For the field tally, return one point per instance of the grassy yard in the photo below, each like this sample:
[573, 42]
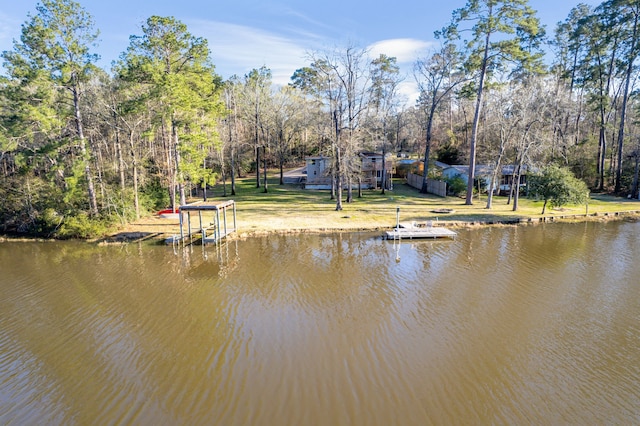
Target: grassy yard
[291, 209]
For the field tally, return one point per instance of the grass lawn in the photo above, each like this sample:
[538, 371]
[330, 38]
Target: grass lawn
[289, 208]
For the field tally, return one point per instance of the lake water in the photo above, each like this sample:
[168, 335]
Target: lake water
[515, 325]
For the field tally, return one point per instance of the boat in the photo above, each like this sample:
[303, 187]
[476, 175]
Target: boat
[169, 214]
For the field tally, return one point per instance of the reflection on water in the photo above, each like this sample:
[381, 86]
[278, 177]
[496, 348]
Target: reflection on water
[501, 326]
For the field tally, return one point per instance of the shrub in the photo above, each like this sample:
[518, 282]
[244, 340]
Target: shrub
[456, 185]
[557, 186]
[81, 226]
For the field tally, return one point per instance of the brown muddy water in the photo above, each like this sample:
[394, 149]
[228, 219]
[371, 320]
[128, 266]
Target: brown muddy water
[517, 325]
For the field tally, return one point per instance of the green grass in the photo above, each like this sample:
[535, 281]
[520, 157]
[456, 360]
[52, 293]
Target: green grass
[290, 207]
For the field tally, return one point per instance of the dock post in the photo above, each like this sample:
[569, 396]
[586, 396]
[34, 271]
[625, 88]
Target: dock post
[224, 216]
[202, 230]
[235, 228]
[397, 217]
[181, 223]
[189, 225]
[218, 225]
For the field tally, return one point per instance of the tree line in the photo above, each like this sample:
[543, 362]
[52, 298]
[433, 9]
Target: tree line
[82, 147]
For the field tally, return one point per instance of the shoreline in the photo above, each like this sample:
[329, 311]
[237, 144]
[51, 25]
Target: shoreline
[599, 217]
[159, 232]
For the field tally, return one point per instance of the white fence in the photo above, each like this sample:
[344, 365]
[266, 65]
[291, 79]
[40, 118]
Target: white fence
[436, 187]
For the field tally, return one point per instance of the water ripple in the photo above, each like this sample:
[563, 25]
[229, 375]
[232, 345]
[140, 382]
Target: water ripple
[501, 326]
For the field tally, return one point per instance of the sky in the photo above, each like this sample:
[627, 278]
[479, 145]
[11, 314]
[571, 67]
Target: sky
[248, 34]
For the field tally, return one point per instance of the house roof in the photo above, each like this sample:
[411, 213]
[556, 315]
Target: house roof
[484, 169]
[373, 154]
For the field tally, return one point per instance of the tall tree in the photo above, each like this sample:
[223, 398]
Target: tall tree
[437, 78]
[383, 98]
[504, 32]
[505, 122]
[532, 105]
[231, 89]
[286, 110]
[256, 94]
[176, 71]
[627, 15]
[570, 49]
[343, 78]
[54, 57]
[597, 73]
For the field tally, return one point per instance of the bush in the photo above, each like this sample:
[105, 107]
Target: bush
[557, 186]
[153, 197]
[456, 185]
[81, 226]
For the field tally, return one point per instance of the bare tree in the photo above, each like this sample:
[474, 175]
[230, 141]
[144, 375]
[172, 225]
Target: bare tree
[437, 78]
[342, 77]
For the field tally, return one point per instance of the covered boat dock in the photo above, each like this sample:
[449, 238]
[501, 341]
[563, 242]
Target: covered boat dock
[212, 229]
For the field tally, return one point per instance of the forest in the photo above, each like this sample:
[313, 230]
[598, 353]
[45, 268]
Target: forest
[83, 148]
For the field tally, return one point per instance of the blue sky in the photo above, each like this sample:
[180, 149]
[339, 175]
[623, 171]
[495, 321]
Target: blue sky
[278, 34]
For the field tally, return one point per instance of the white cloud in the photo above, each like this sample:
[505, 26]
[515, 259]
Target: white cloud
[237, 49]
[405, 50]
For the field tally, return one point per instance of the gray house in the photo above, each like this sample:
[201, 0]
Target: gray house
[318, 171]
[483, 174]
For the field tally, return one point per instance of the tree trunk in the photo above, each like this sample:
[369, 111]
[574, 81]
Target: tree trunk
[178, 171]
[518, 172]
[232, 174]
[634, 190]
[516, 196]
[281, 171]
[427, 149]
[383, 173]
[338, 179]
[134, 164]
[264, 155]
[498, 170]
[602, 149]
[167, 144]
[333, 185]
[121, 166]
[476, 121]
[623, 108]
[257, 165]
[93, 203]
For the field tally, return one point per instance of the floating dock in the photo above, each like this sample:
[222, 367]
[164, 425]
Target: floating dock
[413, 231]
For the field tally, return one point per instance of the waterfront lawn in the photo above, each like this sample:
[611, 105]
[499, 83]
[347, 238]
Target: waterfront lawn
[289, 207]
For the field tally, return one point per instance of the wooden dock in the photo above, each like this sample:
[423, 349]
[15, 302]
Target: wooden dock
[412, 231]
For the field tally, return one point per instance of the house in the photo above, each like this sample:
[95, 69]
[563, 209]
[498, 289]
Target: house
[318, 171]
[483, 174]
[371, 166]
[507, 176]
[439, 166]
